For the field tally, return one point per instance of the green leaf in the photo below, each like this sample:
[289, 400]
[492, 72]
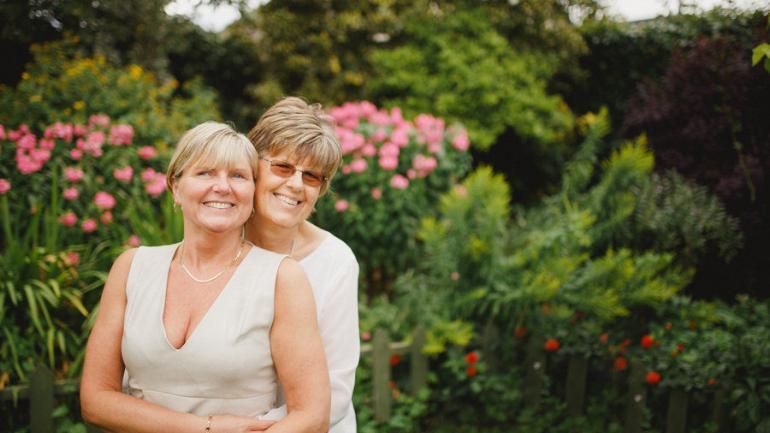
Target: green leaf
[759, 52]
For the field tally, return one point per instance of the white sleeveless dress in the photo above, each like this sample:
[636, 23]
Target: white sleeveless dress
[225, 366]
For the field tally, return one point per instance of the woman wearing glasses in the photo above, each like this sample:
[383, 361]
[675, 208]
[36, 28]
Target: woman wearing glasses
[299, 154]
[203, 327]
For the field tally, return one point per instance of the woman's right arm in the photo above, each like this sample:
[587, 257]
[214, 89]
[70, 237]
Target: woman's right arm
[101, 400]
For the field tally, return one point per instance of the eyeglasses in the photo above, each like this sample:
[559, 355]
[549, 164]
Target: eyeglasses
[285, 169]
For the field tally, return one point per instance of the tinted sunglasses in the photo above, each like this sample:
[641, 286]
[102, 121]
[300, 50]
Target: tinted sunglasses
[285, 169]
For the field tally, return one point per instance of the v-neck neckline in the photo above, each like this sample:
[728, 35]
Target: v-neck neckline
[169, 261]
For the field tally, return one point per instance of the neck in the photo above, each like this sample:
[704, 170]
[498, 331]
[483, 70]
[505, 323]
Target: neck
[205, 250]
[277, 239]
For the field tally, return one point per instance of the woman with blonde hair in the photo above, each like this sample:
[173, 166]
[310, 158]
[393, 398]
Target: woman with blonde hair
[299, 155]
[205, 328]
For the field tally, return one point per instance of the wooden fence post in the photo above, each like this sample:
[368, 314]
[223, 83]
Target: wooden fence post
[676, 418]
[490, 344]
[533, 383]
[41, 400]
[418, 363]
[720, 411]
[635, 401]
[381, 375]
[576, 384]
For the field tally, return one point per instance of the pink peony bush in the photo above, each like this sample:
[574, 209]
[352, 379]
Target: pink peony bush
[393, 172]
[82, 176]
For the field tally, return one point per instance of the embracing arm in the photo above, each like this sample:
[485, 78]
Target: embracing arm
[298, 354]
[101, 400]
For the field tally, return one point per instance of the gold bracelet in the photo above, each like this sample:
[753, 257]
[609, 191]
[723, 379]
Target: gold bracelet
[208, 424]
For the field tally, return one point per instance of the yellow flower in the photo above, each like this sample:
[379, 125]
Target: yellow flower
[25, 76]
[79, 105]
[35, 98]
[135, 71]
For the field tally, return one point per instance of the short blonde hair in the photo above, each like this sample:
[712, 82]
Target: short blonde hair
[304, 131]
[211, 144]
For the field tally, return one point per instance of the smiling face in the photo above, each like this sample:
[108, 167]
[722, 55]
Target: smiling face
[215, 199]
[284, 202]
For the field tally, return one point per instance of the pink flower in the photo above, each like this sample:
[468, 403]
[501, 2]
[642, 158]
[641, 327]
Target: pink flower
[411, 174]
[460, 141]
[47, 144]
[389, 149]
[366, 335]
[104, 200]
[133, 241]
[388, 163]
[399, 182]
[379, 135]
[358, 165]
[26, 164]
[76, 154]
[369, 150]
[423, 165]
[72, 258]
[400, 137]
[73, 174]
[89, 225]
[341, 205]
[376, 193]
[434, 147]
[79, 130]
[40, 155]
[121, 135]
[100, 120]
[71, 193]
[60, 130]
[92, 145]
[5, 186]
[123, 174]
[14, 135]
[462, 191]
[106, 218]
[27, 141]
[147, 152]
[156, 186]
[2, 132]
[345, 169]
[149, 174]
[68, 219]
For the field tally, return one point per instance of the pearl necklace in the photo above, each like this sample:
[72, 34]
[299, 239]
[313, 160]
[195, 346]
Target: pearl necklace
[217, 275]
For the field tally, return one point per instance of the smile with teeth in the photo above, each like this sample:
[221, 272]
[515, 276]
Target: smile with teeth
[218, 204]
[287, 200]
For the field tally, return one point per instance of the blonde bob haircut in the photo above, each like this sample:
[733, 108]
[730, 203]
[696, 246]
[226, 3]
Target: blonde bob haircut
[212, 145]
[301, 130]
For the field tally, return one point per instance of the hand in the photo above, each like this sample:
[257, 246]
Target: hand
[238, 424]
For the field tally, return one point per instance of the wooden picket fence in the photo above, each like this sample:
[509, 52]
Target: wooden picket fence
[43, 389]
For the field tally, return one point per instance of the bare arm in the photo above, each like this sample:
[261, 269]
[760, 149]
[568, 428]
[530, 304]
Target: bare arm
[102, 402]
[298, 354]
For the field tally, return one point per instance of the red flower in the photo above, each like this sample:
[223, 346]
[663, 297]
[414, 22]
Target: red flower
[391, 384]
[669, 325]
[470, 371]
[653, 377]
[647, 341]
[520, 331]
[395, 359]
[552, 345]
[680, 346]
[472, 357]
[712, 381]
[620, 364]
[603, 338]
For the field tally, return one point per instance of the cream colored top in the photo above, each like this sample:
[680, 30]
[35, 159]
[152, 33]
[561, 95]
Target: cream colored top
[225, 366]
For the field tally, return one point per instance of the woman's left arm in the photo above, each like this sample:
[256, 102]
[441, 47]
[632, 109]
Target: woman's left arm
[298, 353]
